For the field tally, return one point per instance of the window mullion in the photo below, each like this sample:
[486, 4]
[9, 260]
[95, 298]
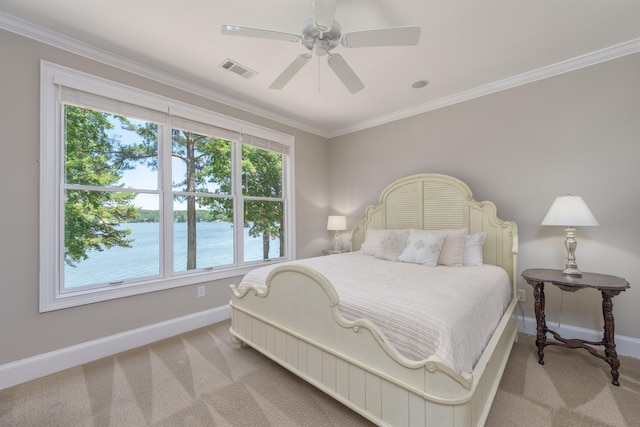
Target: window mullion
[238, 202]
[59, 173]
[166, 202]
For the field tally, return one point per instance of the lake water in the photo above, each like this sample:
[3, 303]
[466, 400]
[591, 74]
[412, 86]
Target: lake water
[214, 248]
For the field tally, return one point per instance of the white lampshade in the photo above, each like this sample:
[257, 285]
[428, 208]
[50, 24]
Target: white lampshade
[569, 211]
[337, 223]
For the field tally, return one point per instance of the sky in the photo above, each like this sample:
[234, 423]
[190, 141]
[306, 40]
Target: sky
[143, 176]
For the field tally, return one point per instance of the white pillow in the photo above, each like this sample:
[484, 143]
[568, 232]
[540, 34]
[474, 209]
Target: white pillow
[473, 244]
[370, 243]
[423, 247]
[453, 247]
[391, 244]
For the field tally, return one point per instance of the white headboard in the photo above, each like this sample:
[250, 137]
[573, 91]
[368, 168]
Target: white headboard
[433, 202]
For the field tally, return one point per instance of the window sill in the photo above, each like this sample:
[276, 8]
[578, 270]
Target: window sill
[51, 302]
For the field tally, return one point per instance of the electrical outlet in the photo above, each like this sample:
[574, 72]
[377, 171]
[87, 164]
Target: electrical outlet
[521, 295]
[200, 291]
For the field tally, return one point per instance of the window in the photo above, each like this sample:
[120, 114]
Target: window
[141, 193]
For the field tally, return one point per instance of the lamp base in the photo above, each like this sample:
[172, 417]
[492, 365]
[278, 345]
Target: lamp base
[570, 243]
[337, 243]
[571, 270]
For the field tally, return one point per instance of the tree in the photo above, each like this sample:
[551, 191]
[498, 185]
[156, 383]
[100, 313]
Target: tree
[195, 151]
[261, 178]
[95, 159]
[92, 216]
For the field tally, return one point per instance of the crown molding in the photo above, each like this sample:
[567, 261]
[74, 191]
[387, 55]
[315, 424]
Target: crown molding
[609, 53]
[35, 32]
[60, 41]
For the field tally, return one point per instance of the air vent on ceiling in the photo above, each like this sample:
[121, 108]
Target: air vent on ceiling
[241, 70]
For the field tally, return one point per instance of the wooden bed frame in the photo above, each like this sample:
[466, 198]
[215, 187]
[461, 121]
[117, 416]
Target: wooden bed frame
[296, 322]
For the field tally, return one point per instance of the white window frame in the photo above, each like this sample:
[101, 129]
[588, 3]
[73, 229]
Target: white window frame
[51, 197]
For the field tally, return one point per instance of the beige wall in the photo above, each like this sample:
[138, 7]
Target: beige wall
[575, 133]
[23, 331]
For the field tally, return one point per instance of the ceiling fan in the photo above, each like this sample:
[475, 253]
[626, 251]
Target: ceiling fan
[320, 34]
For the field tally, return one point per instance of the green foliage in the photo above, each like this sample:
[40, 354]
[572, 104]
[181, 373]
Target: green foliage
[91, 217]
[93, 158]
[261, 177]
[202, 215]
[145, 215]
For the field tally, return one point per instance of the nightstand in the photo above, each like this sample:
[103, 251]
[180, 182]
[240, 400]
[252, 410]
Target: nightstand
[609, 286]
[333, 252]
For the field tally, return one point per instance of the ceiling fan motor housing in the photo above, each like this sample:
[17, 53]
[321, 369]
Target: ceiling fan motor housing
[318, 41]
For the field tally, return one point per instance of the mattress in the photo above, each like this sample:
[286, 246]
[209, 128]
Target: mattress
[450, 312]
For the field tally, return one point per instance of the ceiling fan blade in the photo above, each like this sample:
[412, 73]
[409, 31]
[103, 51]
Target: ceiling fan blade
[290, 71]
[345, 73]
[323, 13]
[234, 30]
[398, 36]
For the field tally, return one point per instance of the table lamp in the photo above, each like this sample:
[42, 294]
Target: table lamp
[337, 223]
[570, 211]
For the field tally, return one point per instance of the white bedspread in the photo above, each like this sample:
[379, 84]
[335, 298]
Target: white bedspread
[447, 311]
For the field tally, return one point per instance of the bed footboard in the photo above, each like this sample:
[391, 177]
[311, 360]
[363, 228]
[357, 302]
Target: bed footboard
[296, 322]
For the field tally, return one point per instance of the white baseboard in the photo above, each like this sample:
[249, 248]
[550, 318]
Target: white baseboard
[625, 346]
[38, 366]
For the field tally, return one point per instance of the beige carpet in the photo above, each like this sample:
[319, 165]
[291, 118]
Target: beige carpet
[201, 379]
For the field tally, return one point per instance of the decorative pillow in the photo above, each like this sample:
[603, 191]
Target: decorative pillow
[423, 247]
[473, 244]
[370, 243]
[391, 244]
[453, 247]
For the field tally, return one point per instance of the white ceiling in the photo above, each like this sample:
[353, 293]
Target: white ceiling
[466, 49]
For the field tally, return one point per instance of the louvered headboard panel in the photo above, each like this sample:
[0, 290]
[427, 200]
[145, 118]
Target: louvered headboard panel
[435, 202]
[443, 206]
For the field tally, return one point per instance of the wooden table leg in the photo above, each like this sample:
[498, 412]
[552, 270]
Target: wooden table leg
[609, 286]
[609, 335]
[541, 323]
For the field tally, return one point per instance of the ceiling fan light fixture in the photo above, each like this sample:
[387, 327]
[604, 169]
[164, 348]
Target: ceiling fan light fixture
[320, 48]
[311, 36]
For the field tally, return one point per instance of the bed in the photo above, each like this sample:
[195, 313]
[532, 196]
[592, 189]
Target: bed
[298, 319]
